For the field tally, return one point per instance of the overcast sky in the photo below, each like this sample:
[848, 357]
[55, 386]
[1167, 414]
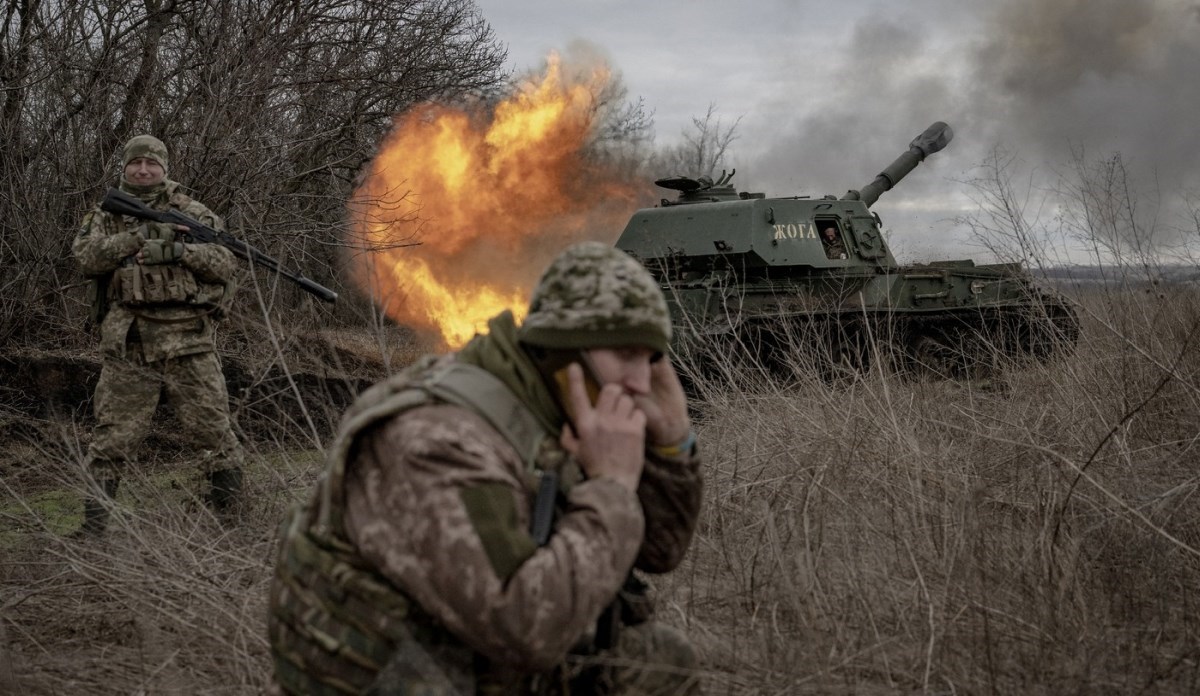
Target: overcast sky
[829, 93]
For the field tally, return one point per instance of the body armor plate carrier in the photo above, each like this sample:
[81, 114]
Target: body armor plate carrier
[335, 622]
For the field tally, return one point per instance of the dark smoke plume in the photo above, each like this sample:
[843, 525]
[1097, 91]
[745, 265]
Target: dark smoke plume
[1110, 76]
[1044, 79]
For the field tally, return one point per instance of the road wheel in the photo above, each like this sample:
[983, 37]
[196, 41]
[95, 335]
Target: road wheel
[929, 356]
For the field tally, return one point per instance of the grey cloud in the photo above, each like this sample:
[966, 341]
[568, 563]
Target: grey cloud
[1045, 77]
[885, 93]
[1114, 76]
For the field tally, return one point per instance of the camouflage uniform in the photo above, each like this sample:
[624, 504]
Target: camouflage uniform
[412, 570]
[834, 248]
[156, 332]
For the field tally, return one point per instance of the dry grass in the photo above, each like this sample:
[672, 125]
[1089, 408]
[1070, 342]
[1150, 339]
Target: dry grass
[170, 601]
[890, 535]
[876, 535]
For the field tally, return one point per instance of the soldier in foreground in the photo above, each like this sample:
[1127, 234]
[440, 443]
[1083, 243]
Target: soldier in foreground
[480, 513]
[156, 299]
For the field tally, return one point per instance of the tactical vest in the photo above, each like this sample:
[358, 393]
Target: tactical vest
[335, 622]
[137, 285]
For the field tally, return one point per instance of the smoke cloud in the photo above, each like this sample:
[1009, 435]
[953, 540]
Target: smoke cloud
[1041, 78]
[1105, 75]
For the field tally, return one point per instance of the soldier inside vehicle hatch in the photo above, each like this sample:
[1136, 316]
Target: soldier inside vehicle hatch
[831, 239]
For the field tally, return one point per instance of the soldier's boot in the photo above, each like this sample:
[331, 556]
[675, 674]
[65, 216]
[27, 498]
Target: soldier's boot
[95, 509]
[225, 490]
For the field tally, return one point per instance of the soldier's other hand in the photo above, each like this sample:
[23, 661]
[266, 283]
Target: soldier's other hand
[666, 409]
[126, 244]
[609, 437]
[160, 230]
[156, 251]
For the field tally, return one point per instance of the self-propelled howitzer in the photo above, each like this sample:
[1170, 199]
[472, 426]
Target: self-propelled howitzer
[812, 280]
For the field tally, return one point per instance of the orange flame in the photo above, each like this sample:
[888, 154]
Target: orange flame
[491, 198]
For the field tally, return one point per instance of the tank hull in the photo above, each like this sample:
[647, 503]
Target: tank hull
[952, 319]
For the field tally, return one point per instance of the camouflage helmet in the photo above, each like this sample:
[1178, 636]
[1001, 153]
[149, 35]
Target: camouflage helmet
[596, 296]
[145, 146]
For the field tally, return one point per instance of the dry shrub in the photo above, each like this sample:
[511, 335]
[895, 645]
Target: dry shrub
[891, 534]
[868, 533]
[170, 600]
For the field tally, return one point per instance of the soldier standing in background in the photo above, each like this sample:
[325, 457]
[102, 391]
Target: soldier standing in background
[481, 513]
[156, 300]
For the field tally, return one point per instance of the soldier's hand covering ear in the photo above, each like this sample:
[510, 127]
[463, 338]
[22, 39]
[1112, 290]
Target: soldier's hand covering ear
[609, 438]
[667, 420]
[158, 251]
[123, 244]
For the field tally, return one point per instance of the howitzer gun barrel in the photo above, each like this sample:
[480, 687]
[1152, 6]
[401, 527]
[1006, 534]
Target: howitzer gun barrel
[118, 202]
[932, 140]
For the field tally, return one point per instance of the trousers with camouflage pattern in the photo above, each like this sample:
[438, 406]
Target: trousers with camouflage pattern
[128, 393]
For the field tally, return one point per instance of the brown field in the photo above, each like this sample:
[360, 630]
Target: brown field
[878, 535]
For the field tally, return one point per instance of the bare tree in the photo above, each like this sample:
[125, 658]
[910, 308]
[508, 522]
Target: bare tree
[1009, 210]
[269, 107]
[703, 149]
[1095, 209]
[1106, 211]
[621, 128]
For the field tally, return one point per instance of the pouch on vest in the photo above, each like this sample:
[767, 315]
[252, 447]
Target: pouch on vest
[137, 285]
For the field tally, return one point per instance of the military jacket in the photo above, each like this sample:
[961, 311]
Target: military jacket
[435, 503]
[199, 284]
[835, 249]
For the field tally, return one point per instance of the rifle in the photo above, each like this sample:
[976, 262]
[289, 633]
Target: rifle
[118, 202]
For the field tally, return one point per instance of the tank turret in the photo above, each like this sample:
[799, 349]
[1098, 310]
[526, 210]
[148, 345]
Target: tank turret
[932, 140]
[703, 189]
